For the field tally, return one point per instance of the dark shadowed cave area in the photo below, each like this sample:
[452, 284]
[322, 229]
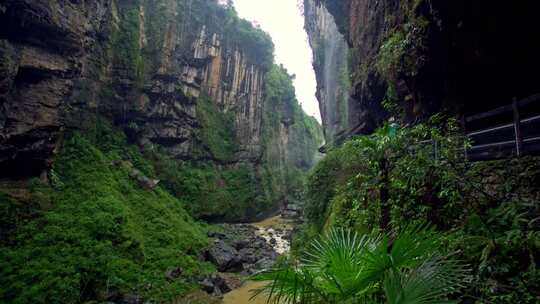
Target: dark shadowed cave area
[484, 54]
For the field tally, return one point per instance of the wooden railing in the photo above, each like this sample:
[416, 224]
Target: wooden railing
[519, 136]
[504, 137]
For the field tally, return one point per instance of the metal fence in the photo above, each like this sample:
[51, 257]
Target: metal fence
[501, 137]
[505, 132]
[517, 136]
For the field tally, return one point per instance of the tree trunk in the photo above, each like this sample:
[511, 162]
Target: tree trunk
[385, 195]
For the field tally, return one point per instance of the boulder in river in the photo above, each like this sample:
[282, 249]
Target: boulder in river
[207, 285]
[219, 283]
[248, 255]
[224, 256]
[240, 244]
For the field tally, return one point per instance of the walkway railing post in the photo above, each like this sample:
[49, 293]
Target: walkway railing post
[517, 128]
[464, 127]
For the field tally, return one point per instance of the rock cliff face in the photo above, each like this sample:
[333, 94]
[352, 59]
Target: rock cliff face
[64, 60]
[184, 76]
[37, 74]
[422, 57]
[207, 66]
[330, 62]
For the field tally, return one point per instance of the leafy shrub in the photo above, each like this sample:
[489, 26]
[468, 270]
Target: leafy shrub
[388, 178]
[393, 178]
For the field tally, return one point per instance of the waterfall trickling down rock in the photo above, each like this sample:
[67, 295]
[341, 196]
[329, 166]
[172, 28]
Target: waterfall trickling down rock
[330, 61]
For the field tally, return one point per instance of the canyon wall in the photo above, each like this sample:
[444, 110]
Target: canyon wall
[411, 59]
[330, 53]
[183, 77]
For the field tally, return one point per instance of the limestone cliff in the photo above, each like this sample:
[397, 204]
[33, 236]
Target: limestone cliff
[422, 57]
[185, 77]
[330, 53]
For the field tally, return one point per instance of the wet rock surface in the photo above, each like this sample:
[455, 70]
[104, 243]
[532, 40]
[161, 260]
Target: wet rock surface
[241, 250]
[224, 256]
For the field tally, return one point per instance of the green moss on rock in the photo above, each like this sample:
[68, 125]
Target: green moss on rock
[104, 233]
[217, 130]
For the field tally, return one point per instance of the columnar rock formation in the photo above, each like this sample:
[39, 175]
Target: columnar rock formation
[184, 76]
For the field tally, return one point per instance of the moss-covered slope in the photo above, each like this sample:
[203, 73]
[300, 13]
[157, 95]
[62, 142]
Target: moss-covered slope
[98, 233]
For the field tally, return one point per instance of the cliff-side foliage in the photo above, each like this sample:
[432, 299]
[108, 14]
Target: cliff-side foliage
[389, 179]
[217, 131]
[213, 192]
[98, 235]
[216, 187]
[258, 43]
[286, 164]
[207, 167]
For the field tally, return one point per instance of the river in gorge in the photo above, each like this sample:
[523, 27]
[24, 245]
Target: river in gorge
[276, 228]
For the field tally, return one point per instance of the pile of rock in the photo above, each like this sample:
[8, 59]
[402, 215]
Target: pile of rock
[237, 249]
[240, 250]
[219, 283]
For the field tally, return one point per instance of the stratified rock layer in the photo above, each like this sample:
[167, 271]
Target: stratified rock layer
[143, 63]
[176, 76]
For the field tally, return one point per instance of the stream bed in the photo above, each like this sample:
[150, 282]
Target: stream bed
[275, 231]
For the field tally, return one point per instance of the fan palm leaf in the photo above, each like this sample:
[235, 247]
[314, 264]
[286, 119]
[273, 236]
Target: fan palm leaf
[429, 283]
[343, 267]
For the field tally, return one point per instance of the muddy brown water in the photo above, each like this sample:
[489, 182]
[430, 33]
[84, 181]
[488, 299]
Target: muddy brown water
[243, 294]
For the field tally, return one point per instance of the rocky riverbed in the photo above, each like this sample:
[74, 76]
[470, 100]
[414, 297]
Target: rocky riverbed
[239, 250]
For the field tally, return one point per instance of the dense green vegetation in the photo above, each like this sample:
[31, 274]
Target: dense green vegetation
[257, 43]
[98, 232]
[285, 177]
[212, 192]
[125, 42]
[388, 180]
[238, 32]
[343, 267]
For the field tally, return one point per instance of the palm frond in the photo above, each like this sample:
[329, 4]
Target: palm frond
[288, 284]
[429, 283]
[339, 258]
[343, 267]
[413, 244]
